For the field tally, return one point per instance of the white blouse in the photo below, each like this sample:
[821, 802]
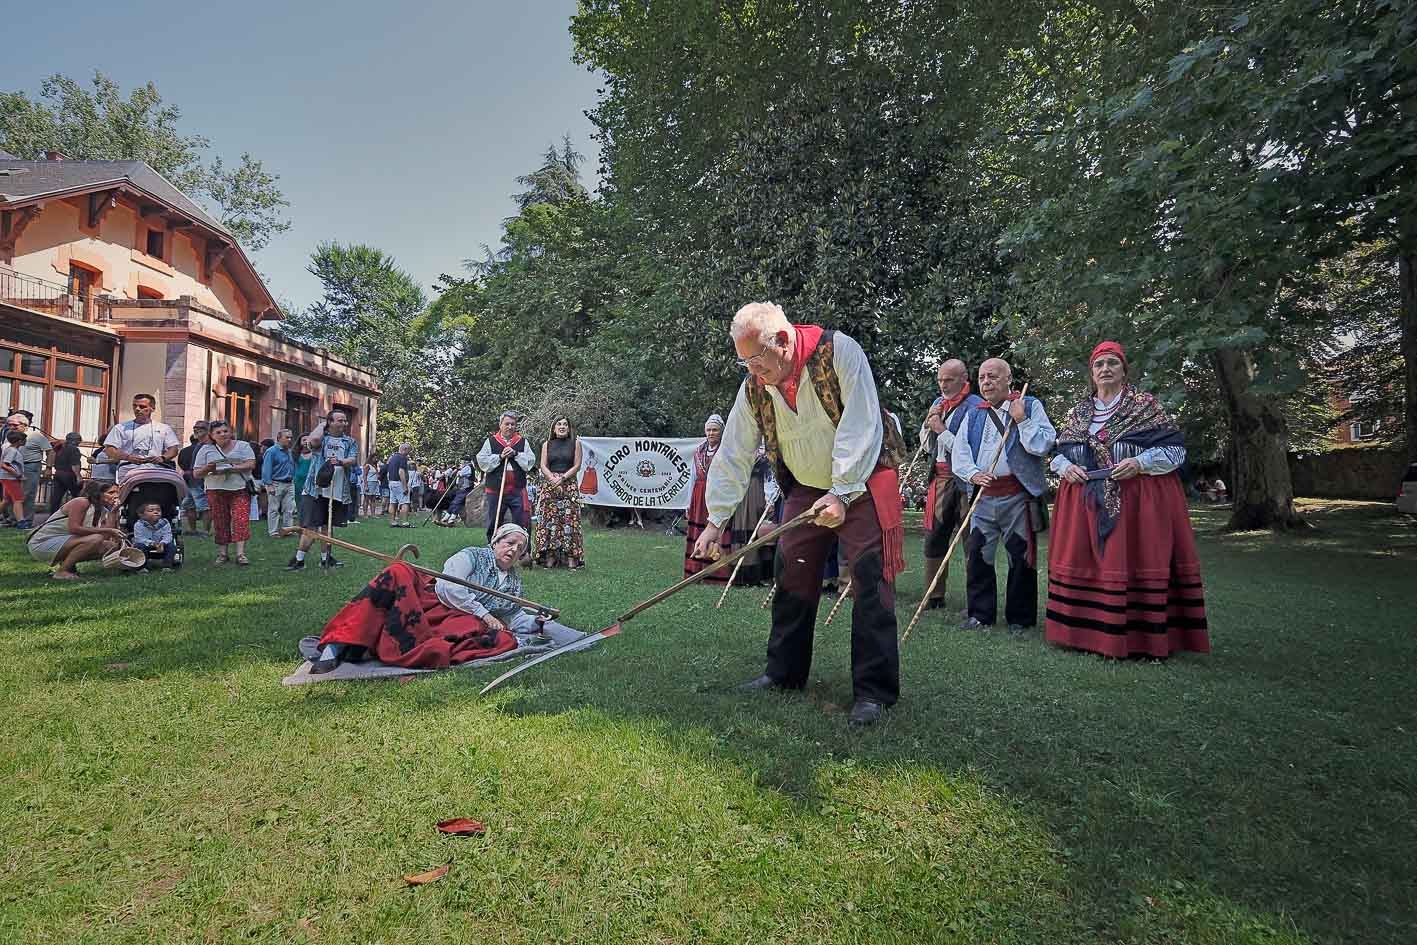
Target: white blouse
[819, 455]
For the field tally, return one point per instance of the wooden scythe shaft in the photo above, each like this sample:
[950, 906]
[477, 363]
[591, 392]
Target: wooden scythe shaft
[807, 516]
[615, 628]
[963, 527]
[734, 576]
[413, 549]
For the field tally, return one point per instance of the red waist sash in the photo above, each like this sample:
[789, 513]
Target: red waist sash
[1003, 486]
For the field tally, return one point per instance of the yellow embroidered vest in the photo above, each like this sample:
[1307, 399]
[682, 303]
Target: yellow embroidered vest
[820, 371]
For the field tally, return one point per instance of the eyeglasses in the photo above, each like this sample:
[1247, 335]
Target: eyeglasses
[747, 363]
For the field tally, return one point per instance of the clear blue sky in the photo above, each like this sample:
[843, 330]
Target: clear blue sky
[401, 125]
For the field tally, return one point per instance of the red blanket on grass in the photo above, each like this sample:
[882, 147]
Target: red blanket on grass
[400, 621]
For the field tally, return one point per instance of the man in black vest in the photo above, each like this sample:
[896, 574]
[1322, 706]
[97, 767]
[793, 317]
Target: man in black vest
[811, 398]
[505, 458]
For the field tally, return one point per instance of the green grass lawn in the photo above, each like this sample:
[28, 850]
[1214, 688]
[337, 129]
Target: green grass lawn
[158, 784]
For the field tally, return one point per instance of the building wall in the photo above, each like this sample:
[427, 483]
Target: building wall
[192, 382]
[143, 371]
[58, 237]
[1354, 473]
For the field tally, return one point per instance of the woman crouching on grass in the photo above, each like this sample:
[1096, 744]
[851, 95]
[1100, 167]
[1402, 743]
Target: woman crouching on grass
[82, 529]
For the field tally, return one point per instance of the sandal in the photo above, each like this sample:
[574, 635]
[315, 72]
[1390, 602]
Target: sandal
[242, 560]
[221, 559]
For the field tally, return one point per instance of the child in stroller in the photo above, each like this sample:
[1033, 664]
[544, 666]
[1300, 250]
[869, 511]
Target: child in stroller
[144, 486]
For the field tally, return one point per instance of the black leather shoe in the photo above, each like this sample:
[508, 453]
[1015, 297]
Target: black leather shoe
[295, 564]
[1018, 629]
[323, 666]
[763, 683]
[973, 624]
[935, 603]
[331, 562]
[864, 713]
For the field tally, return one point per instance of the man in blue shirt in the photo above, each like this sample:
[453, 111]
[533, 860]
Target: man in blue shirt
[327, 497]
[278, 478]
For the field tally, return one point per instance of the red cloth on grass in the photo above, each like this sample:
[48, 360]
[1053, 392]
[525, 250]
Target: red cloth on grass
[400, 621]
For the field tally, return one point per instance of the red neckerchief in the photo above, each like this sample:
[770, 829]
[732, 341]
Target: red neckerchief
[807, 338]
[508, 482]
[1013, 395]
[954, 401]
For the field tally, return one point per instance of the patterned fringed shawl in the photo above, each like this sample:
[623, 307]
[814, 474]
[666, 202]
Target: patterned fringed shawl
[1139, 423]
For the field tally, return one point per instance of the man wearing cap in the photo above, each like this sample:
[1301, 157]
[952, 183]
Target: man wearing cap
[811, 399]
[1010, 485]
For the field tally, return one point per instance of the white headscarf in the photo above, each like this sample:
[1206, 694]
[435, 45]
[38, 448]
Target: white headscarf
[509, 528]
[714, 420]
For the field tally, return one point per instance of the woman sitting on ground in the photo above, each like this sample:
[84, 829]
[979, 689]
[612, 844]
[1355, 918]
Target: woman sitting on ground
[403, 619]
[560, 538]
[82, 529]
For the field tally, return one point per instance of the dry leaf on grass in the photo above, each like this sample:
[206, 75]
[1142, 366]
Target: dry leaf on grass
[462, 827]
[432, 876]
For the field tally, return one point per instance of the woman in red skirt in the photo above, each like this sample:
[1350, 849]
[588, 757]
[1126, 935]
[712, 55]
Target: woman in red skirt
[1123, 575]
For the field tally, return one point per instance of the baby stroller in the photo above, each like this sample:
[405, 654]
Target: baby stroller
[139, 485]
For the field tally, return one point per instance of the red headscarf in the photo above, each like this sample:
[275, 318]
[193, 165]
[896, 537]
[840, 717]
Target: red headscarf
[1107, 347]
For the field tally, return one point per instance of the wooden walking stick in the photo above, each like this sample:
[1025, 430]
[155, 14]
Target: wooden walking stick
[501, 494]
[808, 515]
[904, 480]
[429, 572]
[841, 599]
[437, 505]
[963, 527]
[732, 577]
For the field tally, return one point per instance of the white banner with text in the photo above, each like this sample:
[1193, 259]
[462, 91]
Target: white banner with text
[638, 473]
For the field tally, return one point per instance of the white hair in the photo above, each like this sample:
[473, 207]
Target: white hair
[760, 320]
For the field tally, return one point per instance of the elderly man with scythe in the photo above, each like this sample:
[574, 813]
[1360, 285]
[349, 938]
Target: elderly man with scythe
[811, 397]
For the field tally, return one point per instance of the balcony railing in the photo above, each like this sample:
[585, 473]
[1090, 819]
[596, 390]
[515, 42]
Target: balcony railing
[38, 295]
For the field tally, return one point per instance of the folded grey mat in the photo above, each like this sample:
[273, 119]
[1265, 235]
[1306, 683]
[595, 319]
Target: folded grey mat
[373, 669]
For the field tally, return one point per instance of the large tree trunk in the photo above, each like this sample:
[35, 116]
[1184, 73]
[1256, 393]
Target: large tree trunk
[1262, 490]
[1407, 275]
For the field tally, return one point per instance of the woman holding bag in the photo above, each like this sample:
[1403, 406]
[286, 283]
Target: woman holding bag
[224, 465]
